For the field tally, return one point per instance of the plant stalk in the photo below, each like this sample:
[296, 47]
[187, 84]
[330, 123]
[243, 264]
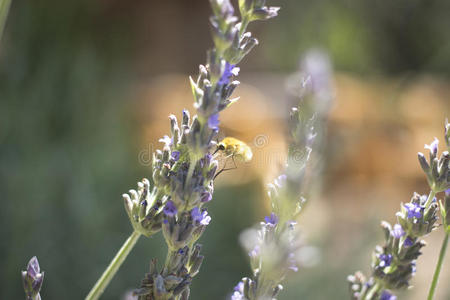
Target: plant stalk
[113, 267]
[438, 266]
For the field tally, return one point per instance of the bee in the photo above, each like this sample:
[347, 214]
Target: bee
[234, 148]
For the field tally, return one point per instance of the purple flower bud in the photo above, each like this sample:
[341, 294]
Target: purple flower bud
[230, 70]
[33, 267]
[385, 260]
[408, 242]
[433, 147]
[227, 8]
[200, 216]
[271, 220]
[385, 295]
[398, 231]
[175, 155]
[170, 209]
[239, 287]
[237, 296]
[205, 197]
[166, 140]
[213, 121]
[414, 210]
[32, 279]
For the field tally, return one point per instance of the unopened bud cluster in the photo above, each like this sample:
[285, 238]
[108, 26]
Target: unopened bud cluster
[172, 282]
[32, 280]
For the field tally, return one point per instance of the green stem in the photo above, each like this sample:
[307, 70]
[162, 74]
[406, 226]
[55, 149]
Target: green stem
[113, 267]
[438, 267]
[372, 291]
[430, 199]
[4, 9]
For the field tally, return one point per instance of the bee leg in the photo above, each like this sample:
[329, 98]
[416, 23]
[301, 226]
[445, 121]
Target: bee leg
[226, 169]
[234, 163]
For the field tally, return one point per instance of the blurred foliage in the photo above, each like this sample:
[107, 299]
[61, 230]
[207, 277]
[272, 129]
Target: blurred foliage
[364, 36]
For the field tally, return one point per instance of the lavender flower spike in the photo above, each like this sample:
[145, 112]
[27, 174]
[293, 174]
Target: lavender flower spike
[32, 279]
[273, 247]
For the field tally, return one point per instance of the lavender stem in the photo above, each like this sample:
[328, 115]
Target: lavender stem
[438, 266]
[113, 267]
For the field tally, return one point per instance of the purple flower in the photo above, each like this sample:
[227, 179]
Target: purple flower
[408, 242]
[175, 155]
[447, 192]
[227, 8]
[239, 287]
[271, 220]
[205, 197]
[170, 209]
[385, 295]
[238, 292]
[237, 296]
[414, 210]
[213, 121]
[200, 216]
[398, 231]
[385, 260]
[229, 71]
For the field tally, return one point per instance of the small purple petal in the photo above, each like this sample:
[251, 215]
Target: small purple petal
[227, 8]
[385, 260]
[200, 216]
[239, 287]
[447, 192]
[414, 210]
[205, 197]
[433, 147]
[175, 155]
[237, 296]
[229, 71]
[213, 121]
[398, 231]
[170, 209]
[385, 295]
[408, 242]
[271, 220]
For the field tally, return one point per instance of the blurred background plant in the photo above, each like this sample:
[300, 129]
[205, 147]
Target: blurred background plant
[74, 76]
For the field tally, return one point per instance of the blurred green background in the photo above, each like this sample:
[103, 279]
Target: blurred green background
[72, 89]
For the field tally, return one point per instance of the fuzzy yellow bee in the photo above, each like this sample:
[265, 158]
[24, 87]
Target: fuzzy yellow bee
[234, 148]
